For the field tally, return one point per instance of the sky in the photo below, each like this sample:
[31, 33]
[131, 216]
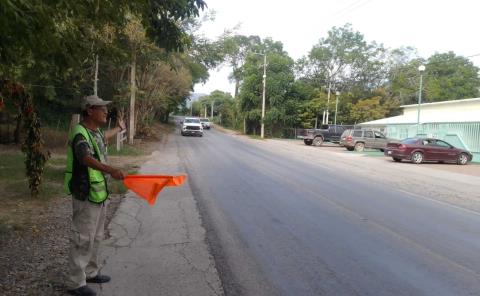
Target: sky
[430, 26]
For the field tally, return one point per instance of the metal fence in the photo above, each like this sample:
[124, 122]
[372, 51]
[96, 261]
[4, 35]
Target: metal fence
[463, 135]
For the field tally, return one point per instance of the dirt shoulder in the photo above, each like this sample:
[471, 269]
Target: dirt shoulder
[449, 183]
[34, 232]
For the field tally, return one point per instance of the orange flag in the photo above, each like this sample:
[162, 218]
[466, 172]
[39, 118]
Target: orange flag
[148, 186]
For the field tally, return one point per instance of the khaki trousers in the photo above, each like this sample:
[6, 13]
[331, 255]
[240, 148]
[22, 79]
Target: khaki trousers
[87, 232]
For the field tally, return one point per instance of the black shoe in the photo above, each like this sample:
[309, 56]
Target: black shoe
[99, 279]
[82, 291]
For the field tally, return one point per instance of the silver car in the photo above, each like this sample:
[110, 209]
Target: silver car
[359, 139]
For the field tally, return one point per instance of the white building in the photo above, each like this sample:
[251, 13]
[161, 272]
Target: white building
[457, 122]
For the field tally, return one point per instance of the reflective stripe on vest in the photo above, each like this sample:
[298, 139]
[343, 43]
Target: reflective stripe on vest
[98, 192]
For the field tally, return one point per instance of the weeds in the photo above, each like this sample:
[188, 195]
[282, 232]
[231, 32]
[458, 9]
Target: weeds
[127, 150]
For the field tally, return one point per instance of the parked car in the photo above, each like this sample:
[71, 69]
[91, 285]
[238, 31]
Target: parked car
[205, 123]
[192, 126]
[418, 150]
[359, 139]
[327, 133]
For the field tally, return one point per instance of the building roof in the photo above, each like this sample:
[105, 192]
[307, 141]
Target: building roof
[401, 119]
[474, 100]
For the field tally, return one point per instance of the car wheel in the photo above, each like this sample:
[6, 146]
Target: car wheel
[417, 157]
[350, 148]
[307, 142]
[397, 159]
[318, 141]
[359, 147]
[462, 159]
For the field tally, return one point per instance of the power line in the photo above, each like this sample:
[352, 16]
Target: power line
[351, 7]
[473, 55]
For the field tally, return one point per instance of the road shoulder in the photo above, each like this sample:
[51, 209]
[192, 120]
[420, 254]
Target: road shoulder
[159, 250]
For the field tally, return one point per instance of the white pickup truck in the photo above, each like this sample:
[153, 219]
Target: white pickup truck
[205, 123]
[191, 126]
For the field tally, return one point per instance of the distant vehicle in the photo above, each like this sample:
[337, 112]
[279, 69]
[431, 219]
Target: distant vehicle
[205, 123]
[359, 139]
[192, 126]
[419, 150]
[327, 133]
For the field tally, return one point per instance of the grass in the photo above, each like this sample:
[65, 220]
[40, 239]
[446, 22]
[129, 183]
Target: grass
[15, 183]
[127, 150]
[12, 165]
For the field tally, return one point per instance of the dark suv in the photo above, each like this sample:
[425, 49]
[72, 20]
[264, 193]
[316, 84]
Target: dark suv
[327, 133]
[359, 139]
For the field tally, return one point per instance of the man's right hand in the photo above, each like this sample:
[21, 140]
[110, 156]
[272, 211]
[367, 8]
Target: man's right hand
[117, 174]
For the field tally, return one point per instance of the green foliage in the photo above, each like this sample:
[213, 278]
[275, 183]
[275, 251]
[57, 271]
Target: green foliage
[367, 110]
[35, 154]
[450, 77]
[345, 60]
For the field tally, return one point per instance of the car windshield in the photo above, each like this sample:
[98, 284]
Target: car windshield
[204, 119]
[192, 120]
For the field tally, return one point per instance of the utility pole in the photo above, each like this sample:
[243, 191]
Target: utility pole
[205, 111]
[421, 69]
[262, 131]
[211, 113]
[328, 101]
[95, 83]
[131, 125]
[337, 95]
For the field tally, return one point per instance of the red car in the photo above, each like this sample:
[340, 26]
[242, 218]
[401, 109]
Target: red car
[419, 150]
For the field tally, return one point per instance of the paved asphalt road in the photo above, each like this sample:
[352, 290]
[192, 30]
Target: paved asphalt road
[279, 226]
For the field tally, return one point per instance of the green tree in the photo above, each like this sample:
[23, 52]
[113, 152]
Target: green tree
[367, 110]
[344, 60]
[224, 110]
[450, 77]
[235, 51]
[280, 78]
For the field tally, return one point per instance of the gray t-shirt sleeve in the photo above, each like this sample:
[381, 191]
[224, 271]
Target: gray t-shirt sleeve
[81, 147]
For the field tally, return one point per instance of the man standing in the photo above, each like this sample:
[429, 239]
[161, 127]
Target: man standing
[85, 179]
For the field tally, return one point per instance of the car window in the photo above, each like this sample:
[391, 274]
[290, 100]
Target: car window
[379, 135]
[204, 119]
[442, 144]
[346, 133]
[409, 141]
[192, 120]
[358, 133]
[427, 142]
[368, 134]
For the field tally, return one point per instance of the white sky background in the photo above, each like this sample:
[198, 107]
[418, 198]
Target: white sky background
[429, 26]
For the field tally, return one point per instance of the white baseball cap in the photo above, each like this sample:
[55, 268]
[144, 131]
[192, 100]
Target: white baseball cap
[93, 100]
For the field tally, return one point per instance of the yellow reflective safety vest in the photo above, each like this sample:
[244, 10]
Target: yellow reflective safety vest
[98, 191]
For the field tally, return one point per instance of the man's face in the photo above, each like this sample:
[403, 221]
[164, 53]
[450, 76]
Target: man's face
[99, 113]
